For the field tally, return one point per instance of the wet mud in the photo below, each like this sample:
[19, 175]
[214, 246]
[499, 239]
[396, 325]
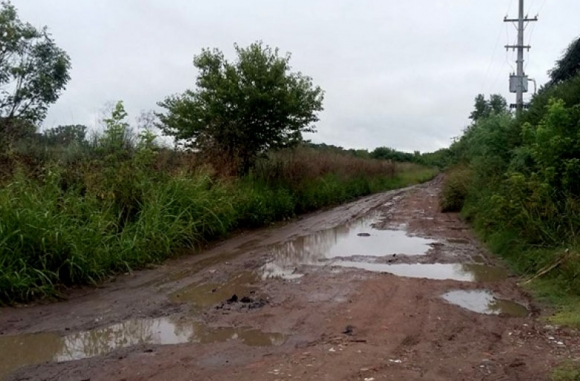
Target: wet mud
[384, 288]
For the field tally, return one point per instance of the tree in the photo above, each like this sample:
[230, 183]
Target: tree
[240, 110]
[66, 135]
[485, 108]
[33, 70]
[567, 66]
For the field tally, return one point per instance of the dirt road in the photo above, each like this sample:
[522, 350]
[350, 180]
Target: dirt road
[385, 288]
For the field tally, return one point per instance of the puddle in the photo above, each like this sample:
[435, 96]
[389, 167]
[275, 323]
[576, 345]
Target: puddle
[357, 238]
[276, 270]
[24, 350]
[484, 302]
[209, 294]
[436, 271]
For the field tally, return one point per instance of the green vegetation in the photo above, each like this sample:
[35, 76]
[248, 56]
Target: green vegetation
[519, 184]
[241, 110]
[33, 71]
[567, 372]
[91, 209]
[76, 208]
[455, 189]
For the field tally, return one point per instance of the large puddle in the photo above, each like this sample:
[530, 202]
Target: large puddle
[358, 238]
[436, 271]
[24, 350]
[484, 302]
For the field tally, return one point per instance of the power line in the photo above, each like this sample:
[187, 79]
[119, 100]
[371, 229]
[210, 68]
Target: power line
[492, 56]
[541, 7]
[519, 80]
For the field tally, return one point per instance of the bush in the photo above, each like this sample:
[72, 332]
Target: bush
[455, 189]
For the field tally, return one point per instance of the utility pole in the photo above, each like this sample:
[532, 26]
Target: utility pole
[519, 80]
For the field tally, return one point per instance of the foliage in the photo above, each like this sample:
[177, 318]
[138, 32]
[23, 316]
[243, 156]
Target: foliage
[568, 66]
[33, 70]
[385, 153]
[523, 196]
[455, 189]
[486, 108]
[566, 372]
[241, 110]
[124, 203]
[65, 135]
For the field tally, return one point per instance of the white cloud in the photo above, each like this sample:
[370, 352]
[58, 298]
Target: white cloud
[396, 73]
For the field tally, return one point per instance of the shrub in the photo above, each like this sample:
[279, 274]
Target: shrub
[455, 189]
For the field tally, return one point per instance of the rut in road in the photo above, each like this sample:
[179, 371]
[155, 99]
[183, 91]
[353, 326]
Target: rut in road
[384, 288]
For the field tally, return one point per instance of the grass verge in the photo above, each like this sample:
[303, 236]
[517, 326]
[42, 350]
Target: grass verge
[63, 226]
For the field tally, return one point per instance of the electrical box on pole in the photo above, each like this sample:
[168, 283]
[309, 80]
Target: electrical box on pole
[518, 84]
[519, 80]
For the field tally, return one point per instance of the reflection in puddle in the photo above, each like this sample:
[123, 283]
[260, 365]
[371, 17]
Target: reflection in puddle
[484, 302]
[358, 238]
[209, 294]
[436, 271]
[23, 350]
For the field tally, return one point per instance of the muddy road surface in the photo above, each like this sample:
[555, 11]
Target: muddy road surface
[384, 288]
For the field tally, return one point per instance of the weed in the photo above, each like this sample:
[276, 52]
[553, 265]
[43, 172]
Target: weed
[569, 371]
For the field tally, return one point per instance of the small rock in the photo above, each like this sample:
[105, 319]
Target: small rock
[332, 350]
[551, 338]
[233, 299]
[363, 234]
[349, 330]
[245, 299]
[559, 343]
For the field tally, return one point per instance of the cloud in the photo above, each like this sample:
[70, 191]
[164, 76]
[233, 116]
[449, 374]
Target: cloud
[396, 73]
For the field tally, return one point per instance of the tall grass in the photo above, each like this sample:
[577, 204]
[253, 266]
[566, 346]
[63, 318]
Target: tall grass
[102, 212]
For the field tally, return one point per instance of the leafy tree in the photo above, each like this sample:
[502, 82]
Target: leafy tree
[484, 108]
[240, 110]
[554, 146]
[117, 139]
[66, 135]
[33, 71]
[568, 65]
[386, 153]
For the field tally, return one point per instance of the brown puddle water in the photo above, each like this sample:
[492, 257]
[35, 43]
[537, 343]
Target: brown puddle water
[484, 302]
[23, 350]
[436, 271]
[358, 238]
[208, 294]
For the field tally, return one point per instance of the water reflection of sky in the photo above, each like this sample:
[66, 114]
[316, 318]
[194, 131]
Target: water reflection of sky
[22, 350]
[484, 302]
[436, 271]
[343, 241]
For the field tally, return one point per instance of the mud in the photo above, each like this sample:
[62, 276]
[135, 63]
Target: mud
[384, 288]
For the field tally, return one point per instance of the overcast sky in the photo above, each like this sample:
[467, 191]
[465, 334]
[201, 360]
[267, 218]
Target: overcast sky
[396, 73]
